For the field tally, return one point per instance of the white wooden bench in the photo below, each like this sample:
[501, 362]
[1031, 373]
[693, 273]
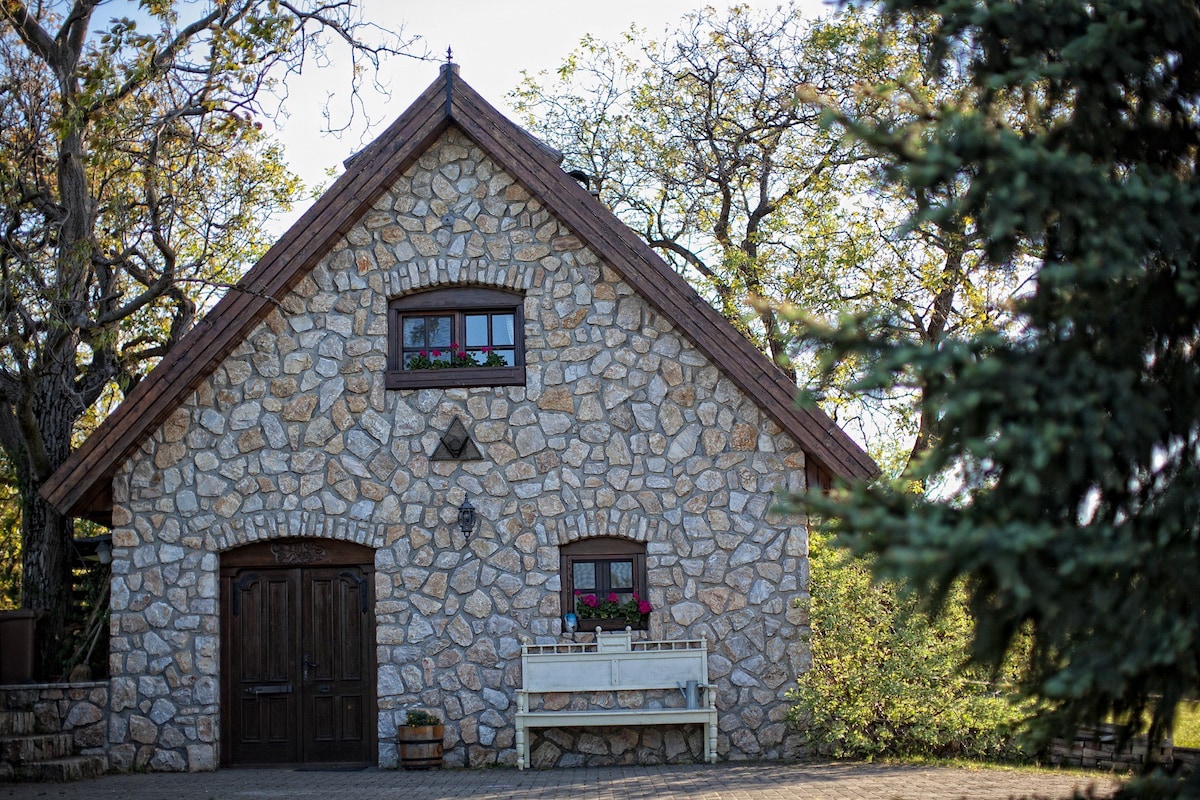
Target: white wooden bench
[615, 663]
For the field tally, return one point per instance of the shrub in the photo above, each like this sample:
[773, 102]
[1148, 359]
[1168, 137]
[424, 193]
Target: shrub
[418, 718]
[888, 682]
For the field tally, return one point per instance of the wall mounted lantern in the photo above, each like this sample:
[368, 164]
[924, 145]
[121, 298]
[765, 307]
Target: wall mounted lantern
[468, 520]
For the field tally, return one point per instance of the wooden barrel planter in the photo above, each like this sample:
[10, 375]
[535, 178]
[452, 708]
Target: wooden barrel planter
[420, 746]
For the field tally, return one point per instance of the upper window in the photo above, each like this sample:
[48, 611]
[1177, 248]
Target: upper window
[456, 337]
[604, 583]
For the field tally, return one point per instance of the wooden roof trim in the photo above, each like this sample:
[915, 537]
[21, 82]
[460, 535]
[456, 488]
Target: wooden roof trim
[655, 280]
[81, 479]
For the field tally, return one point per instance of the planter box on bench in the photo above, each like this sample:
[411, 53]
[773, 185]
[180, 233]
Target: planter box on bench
[615, 663]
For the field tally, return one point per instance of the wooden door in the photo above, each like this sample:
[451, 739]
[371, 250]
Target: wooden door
[297, 644]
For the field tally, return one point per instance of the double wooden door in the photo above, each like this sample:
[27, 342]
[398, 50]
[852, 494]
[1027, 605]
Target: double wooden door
[297, 656]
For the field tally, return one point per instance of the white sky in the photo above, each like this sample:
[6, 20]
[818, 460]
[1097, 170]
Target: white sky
[492, 40]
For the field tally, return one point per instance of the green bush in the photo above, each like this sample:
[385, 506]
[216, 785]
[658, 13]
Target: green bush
[888, 682]
[419, 718]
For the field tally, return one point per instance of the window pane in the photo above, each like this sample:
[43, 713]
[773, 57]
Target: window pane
[509, 356]
[584, 575]
[440, 330]
[620, 575]
[502, 330]
[414, 333]
[477, 330]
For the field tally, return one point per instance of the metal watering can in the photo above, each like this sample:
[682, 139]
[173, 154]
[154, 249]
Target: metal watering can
[691, 693]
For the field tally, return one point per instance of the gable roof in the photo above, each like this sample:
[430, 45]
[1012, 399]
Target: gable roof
[82, 486]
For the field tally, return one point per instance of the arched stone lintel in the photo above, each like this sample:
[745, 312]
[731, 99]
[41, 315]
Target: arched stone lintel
[435, 273]
[304, 524]
[606, 523]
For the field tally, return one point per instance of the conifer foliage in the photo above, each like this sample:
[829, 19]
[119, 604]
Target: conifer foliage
[1071, 439]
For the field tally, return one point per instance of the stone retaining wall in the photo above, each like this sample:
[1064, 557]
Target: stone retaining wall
[80, 709]
[1096, 748]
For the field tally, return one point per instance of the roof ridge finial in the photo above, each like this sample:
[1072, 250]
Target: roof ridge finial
[450, 67]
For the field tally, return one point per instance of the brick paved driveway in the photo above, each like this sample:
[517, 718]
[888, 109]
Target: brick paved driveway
[720, 782]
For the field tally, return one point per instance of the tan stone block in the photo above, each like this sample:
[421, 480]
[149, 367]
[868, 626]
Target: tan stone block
[564, 243]
[227, 505]
[168, 455]
[557, 398]
[250, 440]
[744, 437]
[176, 426]
[142, 730]
[531, 252]
[573, 319]
[373, 491]
[300, 409]
[284, 387]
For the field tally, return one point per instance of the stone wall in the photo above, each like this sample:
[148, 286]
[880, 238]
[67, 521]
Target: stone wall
[623, 429]
[1097, 748]
[80, 709]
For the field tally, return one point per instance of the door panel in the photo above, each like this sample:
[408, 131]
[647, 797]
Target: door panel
[335, 652]
[262, 608]
[298, 676]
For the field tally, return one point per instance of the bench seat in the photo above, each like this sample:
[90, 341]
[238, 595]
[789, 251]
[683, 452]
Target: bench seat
[615, 663]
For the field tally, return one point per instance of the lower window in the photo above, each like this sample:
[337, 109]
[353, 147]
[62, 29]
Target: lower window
[604, 583]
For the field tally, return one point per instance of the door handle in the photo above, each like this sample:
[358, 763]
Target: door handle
[308, 664]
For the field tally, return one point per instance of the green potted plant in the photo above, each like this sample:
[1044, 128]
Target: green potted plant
[420, 740]
[611, 612]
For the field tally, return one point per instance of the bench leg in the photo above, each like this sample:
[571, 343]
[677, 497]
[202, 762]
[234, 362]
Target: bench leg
[522, 747]
[710, 743]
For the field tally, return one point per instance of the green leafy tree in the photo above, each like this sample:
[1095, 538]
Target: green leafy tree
[697, 142]
[134, 182]
[1074, 435]
[886, 681]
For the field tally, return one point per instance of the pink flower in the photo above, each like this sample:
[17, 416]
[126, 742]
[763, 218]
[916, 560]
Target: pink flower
[612, 598]
[644, 607]
[485, 349]
[424, 352]
[590, 600]
[437, 353]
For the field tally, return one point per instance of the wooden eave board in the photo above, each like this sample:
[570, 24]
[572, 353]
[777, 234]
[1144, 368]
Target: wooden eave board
[81, 481]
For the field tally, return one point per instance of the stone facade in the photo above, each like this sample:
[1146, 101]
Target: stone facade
[623, 429]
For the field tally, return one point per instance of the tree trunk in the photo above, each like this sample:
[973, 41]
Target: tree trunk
[36, 437]
[46, 565]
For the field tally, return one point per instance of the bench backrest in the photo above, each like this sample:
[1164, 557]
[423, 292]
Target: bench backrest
[585, 668]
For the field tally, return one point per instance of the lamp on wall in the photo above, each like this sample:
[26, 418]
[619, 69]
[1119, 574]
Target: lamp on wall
[468, 520]
[104, 552]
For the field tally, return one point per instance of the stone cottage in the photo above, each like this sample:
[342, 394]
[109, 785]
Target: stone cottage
[454, 398]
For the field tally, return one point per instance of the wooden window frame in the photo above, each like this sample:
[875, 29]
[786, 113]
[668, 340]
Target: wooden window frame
[603, 549]
[457, 303]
